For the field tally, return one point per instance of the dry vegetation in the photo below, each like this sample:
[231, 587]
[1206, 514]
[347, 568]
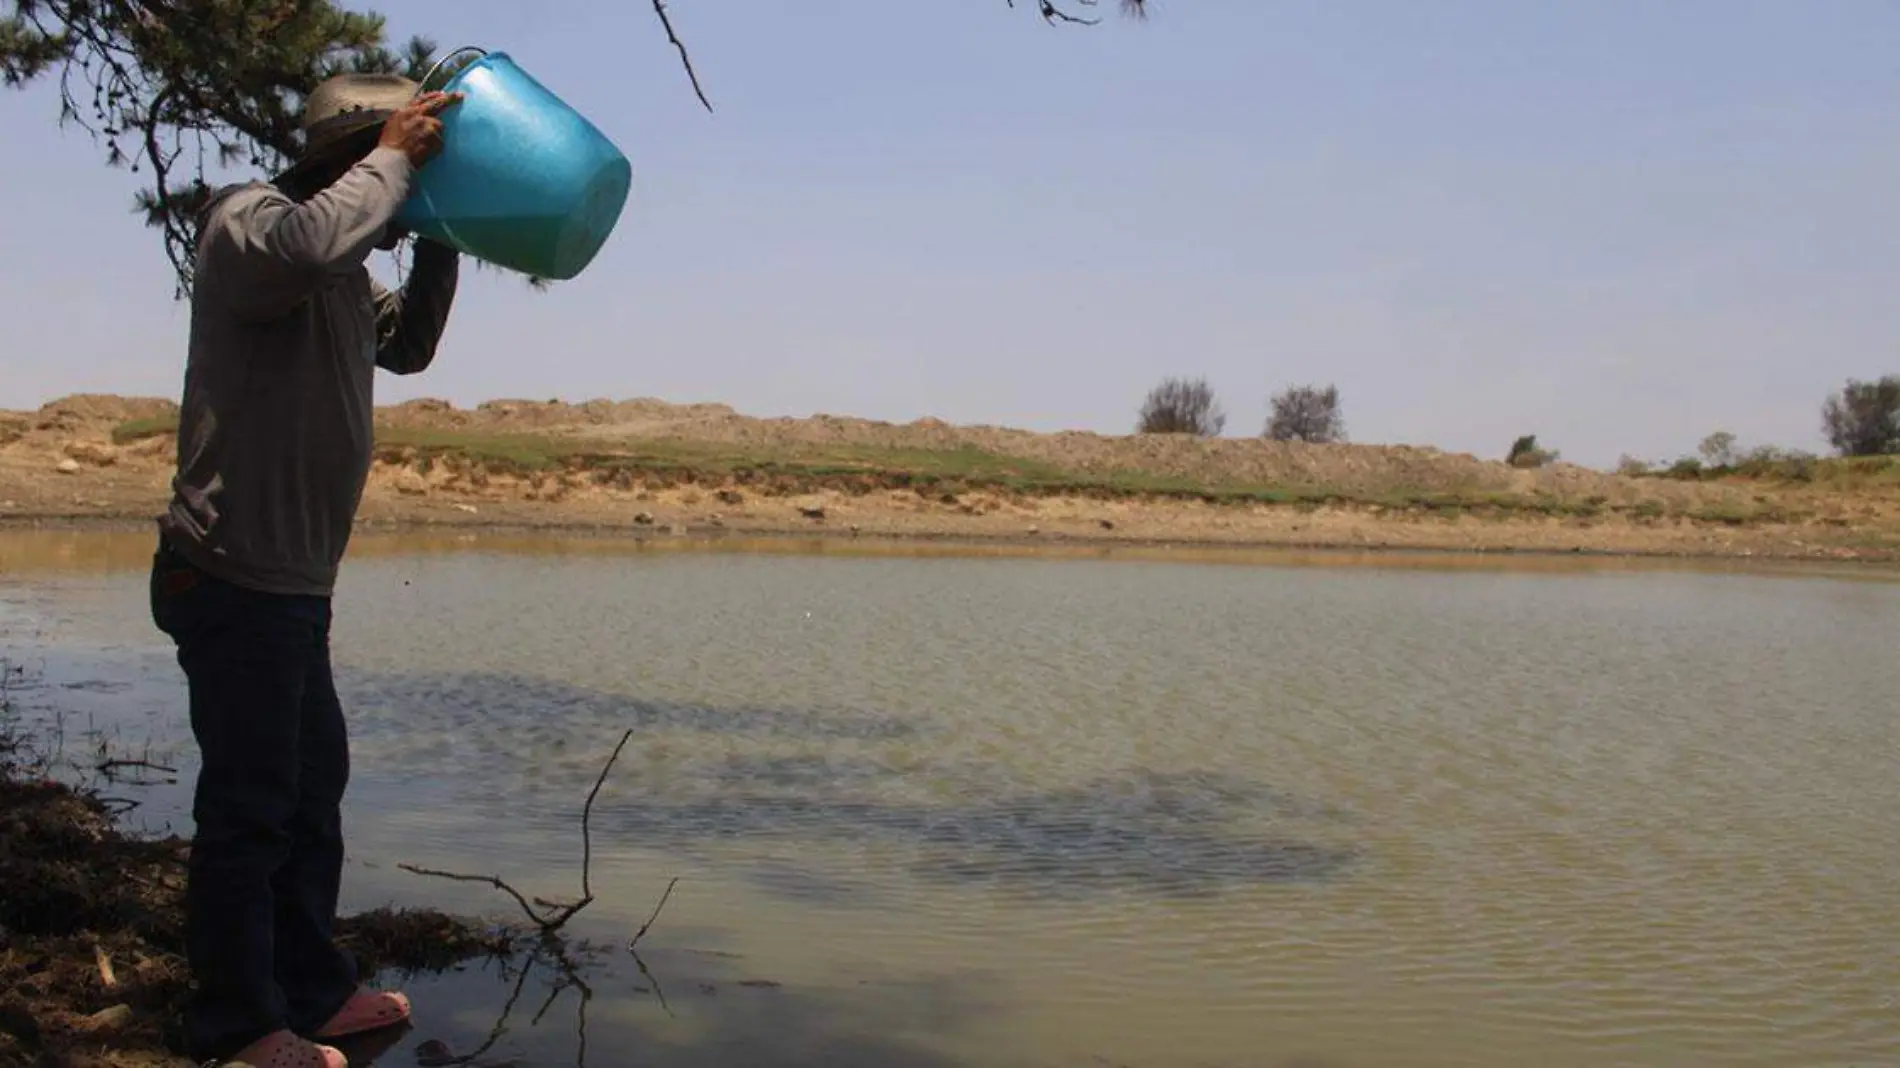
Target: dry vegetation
[651, 467]
[92, 969]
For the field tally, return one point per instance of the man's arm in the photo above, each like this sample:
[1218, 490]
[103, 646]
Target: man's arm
[267, 253]
[410, 323]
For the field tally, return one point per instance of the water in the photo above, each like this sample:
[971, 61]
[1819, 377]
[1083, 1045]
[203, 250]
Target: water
[1051, 812]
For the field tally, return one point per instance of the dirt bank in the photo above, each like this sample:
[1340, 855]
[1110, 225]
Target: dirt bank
[651, 469]
[91, 932]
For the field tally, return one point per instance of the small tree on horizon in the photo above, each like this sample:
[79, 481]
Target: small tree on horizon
[1526, 453]
[1863, 419]
[1182, 406]
[1306, 413]
[1718, 449]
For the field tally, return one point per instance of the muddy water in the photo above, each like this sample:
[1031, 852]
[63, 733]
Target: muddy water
[1052, 812]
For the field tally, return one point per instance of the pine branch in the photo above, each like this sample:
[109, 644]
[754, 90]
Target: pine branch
[168, 88]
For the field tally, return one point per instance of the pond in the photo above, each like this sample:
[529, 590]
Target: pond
[952, 809]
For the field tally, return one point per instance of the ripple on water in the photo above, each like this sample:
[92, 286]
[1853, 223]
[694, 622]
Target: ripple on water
[1186, 815]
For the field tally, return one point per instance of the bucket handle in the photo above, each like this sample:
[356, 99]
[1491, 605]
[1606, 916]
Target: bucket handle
[440, 63]
[435, 68]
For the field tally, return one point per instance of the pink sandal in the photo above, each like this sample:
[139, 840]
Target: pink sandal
[367, 1010]
[285, 1050]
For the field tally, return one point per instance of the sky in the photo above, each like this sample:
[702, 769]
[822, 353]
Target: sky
[1616, 226]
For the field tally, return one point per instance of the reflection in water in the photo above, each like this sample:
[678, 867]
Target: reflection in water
[560, 975]
[545, 1011]
[428, 701]
[1064, 843]
[1145, 831]
[1048, 812]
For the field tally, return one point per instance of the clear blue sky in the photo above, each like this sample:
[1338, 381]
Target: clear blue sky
[1616, 225]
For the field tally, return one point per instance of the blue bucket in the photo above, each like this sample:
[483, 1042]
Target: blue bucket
[523, 181]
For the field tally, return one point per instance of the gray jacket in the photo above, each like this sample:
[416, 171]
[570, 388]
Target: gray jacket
[287, 330]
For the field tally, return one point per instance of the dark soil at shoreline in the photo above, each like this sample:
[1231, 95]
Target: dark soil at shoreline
[92, 971]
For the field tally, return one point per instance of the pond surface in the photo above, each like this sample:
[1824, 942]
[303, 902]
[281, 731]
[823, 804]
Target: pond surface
[957, 811]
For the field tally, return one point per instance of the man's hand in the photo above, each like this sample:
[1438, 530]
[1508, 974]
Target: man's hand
[414, 130]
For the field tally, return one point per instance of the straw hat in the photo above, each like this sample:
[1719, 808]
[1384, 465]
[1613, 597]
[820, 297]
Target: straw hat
[340, 109]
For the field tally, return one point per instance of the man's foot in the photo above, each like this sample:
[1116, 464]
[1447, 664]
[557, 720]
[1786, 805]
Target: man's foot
[285, 1050]
[367, 1010]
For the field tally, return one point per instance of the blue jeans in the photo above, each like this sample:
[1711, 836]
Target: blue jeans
[267, 852]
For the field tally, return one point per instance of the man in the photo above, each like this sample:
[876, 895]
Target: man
[274, 438]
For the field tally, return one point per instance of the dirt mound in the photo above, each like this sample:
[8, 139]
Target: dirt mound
[644, 463]
[1357, 469]
[514, 416]
[1360, 470]
[99, 412]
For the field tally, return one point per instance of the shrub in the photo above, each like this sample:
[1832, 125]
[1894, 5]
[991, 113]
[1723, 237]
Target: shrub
[1718, 449]
[1306, 413]
[1181, 406]
[1863, 419]
[1525, 453]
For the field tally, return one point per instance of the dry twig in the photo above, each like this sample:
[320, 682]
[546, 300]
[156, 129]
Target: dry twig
[647, 926]
[659, 8]
[106, 974]
[550, 916]
[109, 766]
[493, 880]
[555, 915]
[1052, 12]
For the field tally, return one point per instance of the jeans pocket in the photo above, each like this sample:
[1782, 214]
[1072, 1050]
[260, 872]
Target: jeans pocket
[173, 584]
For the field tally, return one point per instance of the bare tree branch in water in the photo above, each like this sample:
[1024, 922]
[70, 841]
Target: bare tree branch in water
[437, 1054]
[580, 1028]
[652, 980]
[493, 880]
[550, 916]
[648, 926]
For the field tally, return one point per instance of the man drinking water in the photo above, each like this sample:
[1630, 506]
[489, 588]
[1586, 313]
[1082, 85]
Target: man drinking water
[274, 443]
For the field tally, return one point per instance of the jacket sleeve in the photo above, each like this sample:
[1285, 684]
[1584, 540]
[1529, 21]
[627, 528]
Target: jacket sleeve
[266, 253]
[409, 324]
